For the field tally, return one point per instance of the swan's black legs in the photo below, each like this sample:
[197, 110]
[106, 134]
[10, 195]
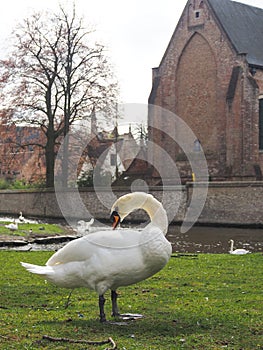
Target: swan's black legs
[115, 310]
[101, 306]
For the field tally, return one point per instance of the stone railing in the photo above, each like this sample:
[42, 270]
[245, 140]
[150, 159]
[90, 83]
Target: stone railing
[228, 203]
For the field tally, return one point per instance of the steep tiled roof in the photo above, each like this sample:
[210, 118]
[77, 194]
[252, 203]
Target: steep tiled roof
[243, 25]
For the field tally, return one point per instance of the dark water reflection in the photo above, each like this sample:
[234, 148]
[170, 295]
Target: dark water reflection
[202, 239]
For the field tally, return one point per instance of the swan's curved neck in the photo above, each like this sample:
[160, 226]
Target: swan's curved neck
[141, 200]
[231, 245]
[156, 213]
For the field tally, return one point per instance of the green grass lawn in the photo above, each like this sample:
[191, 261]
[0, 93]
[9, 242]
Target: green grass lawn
[205, 302]
[24, 229]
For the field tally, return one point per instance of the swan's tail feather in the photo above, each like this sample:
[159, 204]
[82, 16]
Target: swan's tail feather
[39, 270]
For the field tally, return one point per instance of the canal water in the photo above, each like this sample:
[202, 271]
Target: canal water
[203, 239]
[199, 239]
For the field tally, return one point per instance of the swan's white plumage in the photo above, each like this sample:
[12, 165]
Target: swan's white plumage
[110, 259]
[84, 226]
[239, 251]
[13, 226]
[21, 217]
[119, 257]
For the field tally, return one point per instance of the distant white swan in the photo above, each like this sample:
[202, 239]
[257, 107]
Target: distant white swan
[13, 226]
[84, 226]
[21, 218]
[110, 259]
[237, 251]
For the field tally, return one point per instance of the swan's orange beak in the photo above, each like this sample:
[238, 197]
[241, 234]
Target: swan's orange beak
[115, 219]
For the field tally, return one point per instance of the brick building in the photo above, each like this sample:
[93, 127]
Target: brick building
[106, 149]
[17, 163]
[211, 76]
[110, 151]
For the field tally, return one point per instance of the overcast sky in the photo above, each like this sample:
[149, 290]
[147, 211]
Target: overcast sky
[136, 32]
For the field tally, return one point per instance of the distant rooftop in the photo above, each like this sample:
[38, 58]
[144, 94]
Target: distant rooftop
[244, 26]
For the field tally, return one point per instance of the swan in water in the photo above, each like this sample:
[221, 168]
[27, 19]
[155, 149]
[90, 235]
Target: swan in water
[107, 260]
[237, 251]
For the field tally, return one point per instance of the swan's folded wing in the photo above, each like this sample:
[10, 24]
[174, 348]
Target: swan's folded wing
[84, 248]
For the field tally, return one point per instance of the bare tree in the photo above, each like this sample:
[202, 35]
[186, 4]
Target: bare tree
[56, 75]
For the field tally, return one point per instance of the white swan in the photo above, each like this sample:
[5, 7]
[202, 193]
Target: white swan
[237, 251]
[110, 259]
[21, 218]
[13, 226]
[84, 226]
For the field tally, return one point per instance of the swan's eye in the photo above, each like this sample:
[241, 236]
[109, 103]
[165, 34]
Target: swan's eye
[115, 219]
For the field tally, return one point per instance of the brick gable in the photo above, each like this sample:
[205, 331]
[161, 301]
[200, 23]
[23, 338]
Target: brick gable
[214, 88]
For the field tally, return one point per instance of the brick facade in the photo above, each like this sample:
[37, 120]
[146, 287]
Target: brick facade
[206, 82]
[21, 163]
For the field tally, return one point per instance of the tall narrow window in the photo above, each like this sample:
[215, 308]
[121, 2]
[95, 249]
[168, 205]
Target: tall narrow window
[260, 124]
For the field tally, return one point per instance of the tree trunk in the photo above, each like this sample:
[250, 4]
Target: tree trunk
[67, 108]
[50, 162]
[65, 161]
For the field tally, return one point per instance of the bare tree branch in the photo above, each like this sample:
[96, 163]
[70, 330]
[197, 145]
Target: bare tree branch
[54, 77]
[82, 341]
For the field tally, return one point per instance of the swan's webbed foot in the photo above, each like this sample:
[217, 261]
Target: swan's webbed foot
[130, 317]
[115, 309]
[123, 319]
